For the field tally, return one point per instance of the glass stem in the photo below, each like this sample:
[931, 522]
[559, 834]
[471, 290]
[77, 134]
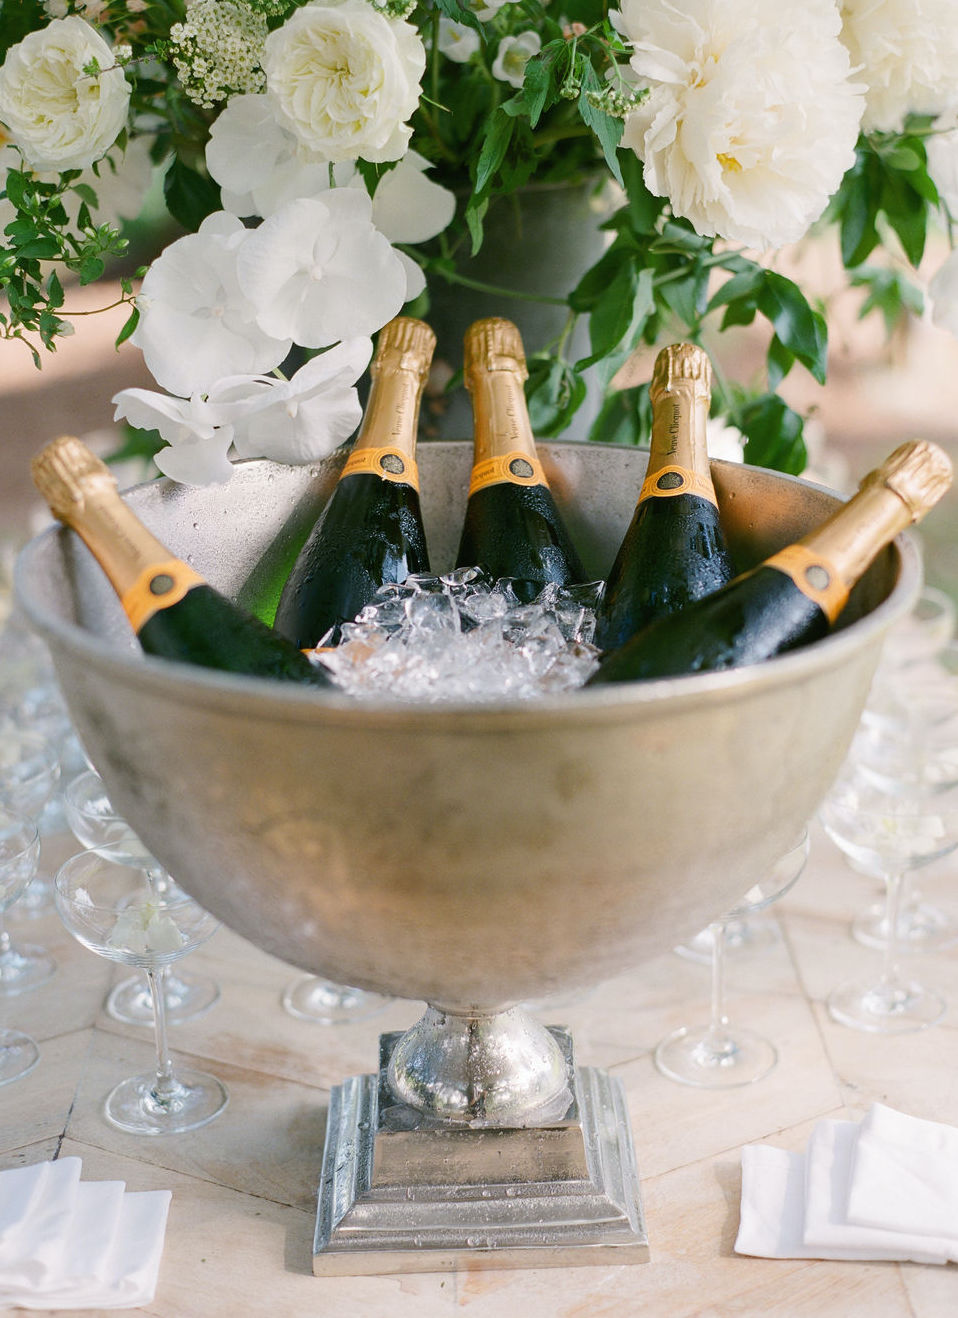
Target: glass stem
[164, 1085]
[890, 975]
[719, 1039]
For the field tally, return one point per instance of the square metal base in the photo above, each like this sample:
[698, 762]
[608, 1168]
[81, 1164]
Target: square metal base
[400, 1193]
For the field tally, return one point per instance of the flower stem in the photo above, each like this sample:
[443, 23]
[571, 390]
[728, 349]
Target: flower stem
[453, 277]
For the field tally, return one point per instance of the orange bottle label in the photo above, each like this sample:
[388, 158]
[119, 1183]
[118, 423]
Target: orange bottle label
[667, 481]
[158, 587]
[389, 464]
[814, 575]
[512, 468]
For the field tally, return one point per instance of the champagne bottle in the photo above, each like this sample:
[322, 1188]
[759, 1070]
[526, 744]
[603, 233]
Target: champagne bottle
[795, 595]
[173, 611]
[674, 550]
[512, 525]
[370, 532]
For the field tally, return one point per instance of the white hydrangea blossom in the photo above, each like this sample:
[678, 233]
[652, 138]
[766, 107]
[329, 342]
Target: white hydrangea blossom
[317, 270]
[752, 115]
[196, 325]
[218, 50]
[513, 55]
[906, 52]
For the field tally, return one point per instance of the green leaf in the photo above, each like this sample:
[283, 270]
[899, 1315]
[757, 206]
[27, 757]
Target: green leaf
[779, 362]
[802, 330]
[538, 87]
[620, 418]
[607, 129]
[494, 147]
[91, 269]
[460, 14]
[54, 291]
[129, 326]
[39, 249]
[612, 315]
[476, 209]
[596, 280]
[554, 392]
[190, 196]
[773, 433]
[17, 188]
[907, 214]
[859, 200]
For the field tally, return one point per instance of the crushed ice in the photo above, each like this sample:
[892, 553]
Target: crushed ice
[464, 637]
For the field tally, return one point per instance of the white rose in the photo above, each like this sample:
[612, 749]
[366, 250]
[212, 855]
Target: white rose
[346, 78]
[60, 117]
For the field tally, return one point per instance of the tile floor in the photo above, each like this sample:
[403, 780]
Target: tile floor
[241, 1223]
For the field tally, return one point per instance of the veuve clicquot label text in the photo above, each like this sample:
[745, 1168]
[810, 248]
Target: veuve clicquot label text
[388, 463]
[814, 575]
[159, 586]
[668, 481]
[515, 468]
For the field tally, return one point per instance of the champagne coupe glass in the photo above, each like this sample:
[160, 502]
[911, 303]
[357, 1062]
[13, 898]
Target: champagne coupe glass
[19, 853]
[911, 748]
[886, 835]
[719, 1055]
[111, 908]
[312, 998]
[29, 771]
[96, 825]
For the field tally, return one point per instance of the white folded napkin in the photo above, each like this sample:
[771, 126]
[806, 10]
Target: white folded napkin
[772, 1221]
[905, 1175]
[828, 1167]
[78, 1245]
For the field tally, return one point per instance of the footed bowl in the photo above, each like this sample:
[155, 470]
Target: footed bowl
[474, 857]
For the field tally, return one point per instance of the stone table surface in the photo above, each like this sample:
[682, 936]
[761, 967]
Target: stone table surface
[239, 1239]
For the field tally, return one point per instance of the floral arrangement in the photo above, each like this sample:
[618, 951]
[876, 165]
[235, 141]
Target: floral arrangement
[334, 162]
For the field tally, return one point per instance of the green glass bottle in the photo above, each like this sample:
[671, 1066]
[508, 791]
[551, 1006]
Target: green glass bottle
[370, 532]
[512, 525]
[674, 550]
[794, 596]
[173, 611]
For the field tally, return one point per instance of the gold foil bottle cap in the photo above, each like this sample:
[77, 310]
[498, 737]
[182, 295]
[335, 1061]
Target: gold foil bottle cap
[66, 473]
[405, 344]
[684, 362]
[493, 344]
[918, 472]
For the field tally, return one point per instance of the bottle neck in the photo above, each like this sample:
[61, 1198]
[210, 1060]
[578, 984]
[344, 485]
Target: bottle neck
[829, 560]
[678, 456]
[142, 571]
[504, 448]
[386, 443]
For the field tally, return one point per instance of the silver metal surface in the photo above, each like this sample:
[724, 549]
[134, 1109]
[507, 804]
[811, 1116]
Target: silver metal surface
[471, 857]
[397, 1194]
[500, 1070]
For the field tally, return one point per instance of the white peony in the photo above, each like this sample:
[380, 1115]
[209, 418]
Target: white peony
[60, 117]
[346, 79]
[943, 295]
[457, 41]
[513, 55]
[303, 418]
[196, 325]
[752, 116]
[906, 52]
[317, 271]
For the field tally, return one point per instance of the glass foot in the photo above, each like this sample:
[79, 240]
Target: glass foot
[19, 1054]
[23, 967]
[185, 998]
[884, 1009]
[311, 998]
[194, 1099]
[693, 1057]
[921, 927]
